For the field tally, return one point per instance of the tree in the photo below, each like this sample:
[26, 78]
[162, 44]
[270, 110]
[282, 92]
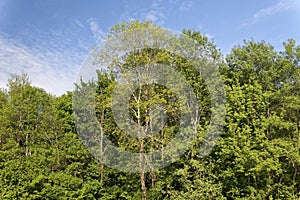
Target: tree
[43, 152]
[258, 142]
[157, 83]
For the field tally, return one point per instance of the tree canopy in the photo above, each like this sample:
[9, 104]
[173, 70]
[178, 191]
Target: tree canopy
[257, 154]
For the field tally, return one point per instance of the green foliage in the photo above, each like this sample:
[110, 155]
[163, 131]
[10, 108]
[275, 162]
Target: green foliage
[256, 157]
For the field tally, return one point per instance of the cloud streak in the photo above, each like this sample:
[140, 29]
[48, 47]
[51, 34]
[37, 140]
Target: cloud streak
[52, 59]
[282, 5]
[154, 13]
[54, 70]
[98, 33]
[186, 6]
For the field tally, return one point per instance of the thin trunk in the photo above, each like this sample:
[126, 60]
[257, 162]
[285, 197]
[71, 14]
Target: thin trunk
[142, 173]
[141, 140]
[162, 145]
[101, 173]
[152, 178]
[295, 171]
[152, 174]
[101, 148]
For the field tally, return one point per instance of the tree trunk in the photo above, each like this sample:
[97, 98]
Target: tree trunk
[101, 147]
[142, 173]
[101, 173]
[141, 161]
[152, 178]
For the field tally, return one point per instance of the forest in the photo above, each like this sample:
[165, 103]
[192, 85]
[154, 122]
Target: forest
[257, 154]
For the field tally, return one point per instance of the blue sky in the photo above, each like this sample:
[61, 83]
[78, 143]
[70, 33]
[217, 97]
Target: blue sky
[49, 39]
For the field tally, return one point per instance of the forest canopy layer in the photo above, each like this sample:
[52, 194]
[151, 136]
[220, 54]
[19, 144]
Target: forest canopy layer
[256, 156]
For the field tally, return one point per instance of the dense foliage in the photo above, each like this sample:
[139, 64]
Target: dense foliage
[256, 157]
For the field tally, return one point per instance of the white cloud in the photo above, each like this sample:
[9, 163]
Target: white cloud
[282, 5]
[155, 16]
[98, 33]
[209, 36]
[155, 13]
[55, 70]
[78, 23]
[52, 58]
[186, 6]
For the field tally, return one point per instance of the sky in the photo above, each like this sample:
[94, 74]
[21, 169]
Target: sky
[50, 39]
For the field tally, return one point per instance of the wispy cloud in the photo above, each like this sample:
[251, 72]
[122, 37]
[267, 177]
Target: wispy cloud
[155, 12]
[52, 59]
[282, 5]
[52, 69]
[98, 33]
[186, 5]
[155, 16]
[78, 23]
